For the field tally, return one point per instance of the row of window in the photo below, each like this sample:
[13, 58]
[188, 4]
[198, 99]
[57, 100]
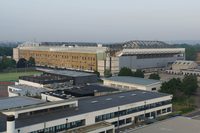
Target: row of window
[62, 127]
[130, 111]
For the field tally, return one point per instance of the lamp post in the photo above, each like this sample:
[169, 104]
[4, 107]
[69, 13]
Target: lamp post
[66, 124]
[118, 119]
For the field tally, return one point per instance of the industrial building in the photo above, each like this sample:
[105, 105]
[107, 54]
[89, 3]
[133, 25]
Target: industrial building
[99, 57]
[132, 83]
[120, 109]
[173, 125]
[76, 77]
[184, 67]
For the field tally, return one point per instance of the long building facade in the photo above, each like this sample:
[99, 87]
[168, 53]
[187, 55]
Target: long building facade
[120, 109]
[133, 54]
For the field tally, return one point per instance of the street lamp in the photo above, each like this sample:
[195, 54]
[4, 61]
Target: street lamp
[118, 119]
[66, 124]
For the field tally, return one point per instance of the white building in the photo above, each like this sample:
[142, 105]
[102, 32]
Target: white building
[132, 83]
[184, 64]
[120, 109]
[25, 90]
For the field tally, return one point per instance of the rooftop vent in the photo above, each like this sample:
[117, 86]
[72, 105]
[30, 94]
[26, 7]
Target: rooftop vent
[94, 101]
[108, 99]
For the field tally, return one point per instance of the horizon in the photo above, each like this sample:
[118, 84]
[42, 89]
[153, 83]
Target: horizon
[99, 21]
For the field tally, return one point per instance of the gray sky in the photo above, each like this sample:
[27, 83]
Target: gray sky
[99, 20]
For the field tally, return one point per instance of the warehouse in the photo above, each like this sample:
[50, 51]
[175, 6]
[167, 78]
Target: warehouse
[77, 77]
[132, 83]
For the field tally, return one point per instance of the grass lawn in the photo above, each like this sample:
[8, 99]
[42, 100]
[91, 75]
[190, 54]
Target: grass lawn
[184, 105]
[13, 76]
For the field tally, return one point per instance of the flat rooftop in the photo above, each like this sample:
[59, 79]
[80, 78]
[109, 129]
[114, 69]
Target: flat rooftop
[26, 88]
[17, 102]
[173, 125]
[69, 73]
[86, 105]
[80, 91]
[45, 78]
[75, 49]
[133, 80]
[90, 128]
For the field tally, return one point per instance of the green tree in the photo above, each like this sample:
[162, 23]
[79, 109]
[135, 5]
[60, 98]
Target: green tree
[154, 76]
[189, 84]
[31, 62]
[7, 63]
[173, 86]
[138, 73]
[22, 63]
[107, 73]
[125, 72]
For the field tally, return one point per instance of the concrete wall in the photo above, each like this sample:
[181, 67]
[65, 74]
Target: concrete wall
[29, 83]
[50, 98]
[128, 86]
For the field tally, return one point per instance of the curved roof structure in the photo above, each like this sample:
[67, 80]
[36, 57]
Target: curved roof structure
[145, 44]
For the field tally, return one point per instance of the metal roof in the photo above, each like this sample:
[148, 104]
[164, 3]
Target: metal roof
[26, 88]
[69, 73]
[133, 80]
[18, 101]
[173, 125]
[86, 105]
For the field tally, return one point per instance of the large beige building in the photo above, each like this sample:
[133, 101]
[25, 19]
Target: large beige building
[72, 57]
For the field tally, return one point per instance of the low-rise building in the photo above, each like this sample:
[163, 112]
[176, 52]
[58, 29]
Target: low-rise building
[76, 77]
[132, 83]
[184, 64]
[120, 109]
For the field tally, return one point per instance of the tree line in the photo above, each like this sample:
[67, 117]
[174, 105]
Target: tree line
[9, 63]
[180, 88]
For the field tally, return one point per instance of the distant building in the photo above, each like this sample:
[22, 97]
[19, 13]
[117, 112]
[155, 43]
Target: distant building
[119, 109]
[99, 57]
[184, 68]
[183, 64]
[132, 83]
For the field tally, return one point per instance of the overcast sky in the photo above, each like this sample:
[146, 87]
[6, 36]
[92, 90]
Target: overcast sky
[99, 20]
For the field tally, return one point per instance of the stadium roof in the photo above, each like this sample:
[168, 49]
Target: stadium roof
[145, 44]
[133, 80]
